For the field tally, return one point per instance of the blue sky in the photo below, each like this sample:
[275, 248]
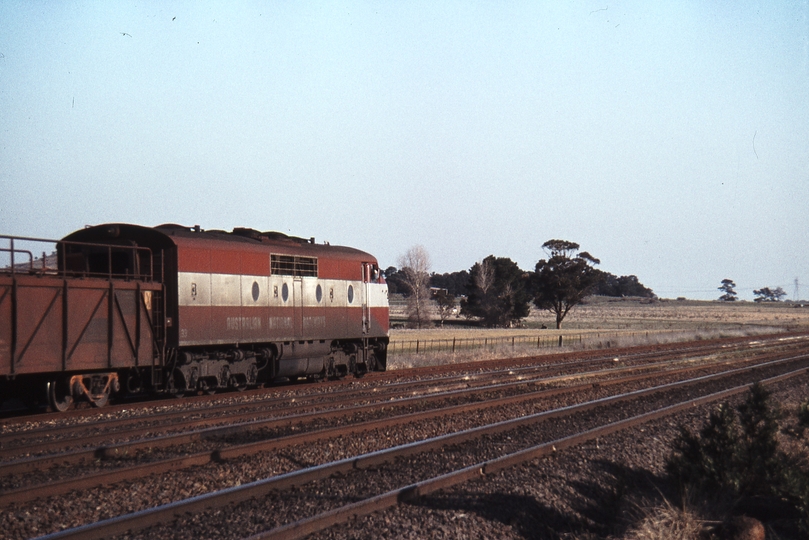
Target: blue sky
[670, 140]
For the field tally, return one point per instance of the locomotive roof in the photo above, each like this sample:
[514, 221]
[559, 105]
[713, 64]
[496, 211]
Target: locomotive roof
[169, 235]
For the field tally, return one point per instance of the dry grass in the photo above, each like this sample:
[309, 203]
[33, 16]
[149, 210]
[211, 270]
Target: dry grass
[607, 323]
[592, 341]
[665, 522]
[689, 315]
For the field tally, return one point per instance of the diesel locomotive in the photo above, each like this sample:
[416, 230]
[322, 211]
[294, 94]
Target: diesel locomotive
[127, 309]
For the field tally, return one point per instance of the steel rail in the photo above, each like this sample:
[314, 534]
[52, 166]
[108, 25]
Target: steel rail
[16, 439]
[302, 528]
[326, 397]
[133, 472]
[164, 513]
[111, 451]
[162, 417]
[592, 356]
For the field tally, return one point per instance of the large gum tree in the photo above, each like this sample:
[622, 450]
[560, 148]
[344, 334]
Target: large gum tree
[564, 279]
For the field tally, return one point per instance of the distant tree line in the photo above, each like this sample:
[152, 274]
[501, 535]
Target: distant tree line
[455, 283]
[612, 285]
[498, 293]
[764, 294]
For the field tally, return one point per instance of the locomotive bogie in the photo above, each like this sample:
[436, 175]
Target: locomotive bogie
[206, 374]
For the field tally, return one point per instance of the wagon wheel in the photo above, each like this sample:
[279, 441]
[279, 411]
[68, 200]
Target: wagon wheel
[175, 385]
[59, 397]
[101, 399]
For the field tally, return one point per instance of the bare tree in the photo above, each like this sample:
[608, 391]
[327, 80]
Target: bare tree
[483, 279]
[415, 265]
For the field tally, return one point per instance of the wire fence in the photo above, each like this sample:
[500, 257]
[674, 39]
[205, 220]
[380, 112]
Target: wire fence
[451, 345]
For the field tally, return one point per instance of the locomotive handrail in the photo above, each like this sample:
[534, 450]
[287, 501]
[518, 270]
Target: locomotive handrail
[62, 251]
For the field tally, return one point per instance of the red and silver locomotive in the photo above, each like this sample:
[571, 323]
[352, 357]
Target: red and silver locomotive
[178, 310]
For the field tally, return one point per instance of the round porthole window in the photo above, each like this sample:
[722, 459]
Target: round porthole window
[319, 294]
[255, 291]
[350, 293]
[285, 292]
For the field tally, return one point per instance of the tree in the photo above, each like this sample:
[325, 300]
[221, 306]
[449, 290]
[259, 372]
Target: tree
[612, 285]
[769, 295]
[564, 279]
[415, 265]
[395, 279]
[727, 287]
[446, 304]
[498, 292]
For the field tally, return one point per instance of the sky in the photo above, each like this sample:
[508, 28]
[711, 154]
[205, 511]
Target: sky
[669, 139]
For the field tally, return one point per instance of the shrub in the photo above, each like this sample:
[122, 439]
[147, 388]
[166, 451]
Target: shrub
[736, 456]
[710, 460]
[803, 414]
[758, 448]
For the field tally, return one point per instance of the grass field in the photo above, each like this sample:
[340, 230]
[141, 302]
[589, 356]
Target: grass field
[599, 323]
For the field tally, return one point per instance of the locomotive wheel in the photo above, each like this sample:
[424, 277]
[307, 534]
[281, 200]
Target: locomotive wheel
[59, 397]
[203, 387]
[236, 383]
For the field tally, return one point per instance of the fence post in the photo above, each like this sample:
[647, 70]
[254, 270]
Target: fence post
[560, 340]
[417, 346]
[453, 345]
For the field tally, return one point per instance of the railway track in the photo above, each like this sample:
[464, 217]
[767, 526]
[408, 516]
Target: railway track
[130, 418]
[14, 421]
[539, 398]
[303, 409]
[387, 418]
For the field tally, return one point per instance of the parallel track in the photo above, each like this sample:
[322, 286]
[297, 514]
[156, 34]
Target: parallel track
[376, 462]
